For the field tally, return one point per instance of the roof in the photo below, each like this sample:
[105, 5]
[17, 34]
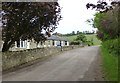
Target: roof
[53, 37]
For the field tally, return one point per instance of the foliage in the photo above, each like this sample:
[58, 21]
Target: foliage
[110, 53]
[107, 20]
[75, 43]
[89, 38]
[78, 32]
[112, 46]
[28, 20]
[107, 24]
[90, 43]
[103, 6]
[73, 32]
[109, 64]
[81, 38]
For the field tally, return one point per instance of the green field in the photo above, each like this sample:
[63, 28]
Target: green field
[89, 37]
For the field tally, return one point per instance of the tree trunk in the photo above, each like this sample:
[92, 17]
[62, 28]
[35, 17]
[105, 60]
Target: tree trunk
[6, 46]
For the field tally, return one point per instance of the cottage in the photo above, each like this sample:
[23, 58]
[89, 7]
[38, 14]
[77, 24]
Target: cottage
[57, 41]
[51, 41]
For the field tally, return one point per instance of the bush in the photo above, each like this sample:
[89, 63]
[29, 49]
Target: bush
[89, 43]
[75, 43]
[113, 46]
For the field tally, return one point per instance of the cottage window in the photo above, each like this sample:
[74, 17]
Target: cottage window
[21, 44]
[18, 43]
[53, 43]
[41, 43]
[60, 43]
[65, 42]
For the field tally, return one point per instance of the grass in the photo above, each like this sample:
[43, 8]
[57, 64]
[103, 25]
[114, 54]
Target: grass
[71, 38]
[95, 39]
[109, 65]
[89, 37]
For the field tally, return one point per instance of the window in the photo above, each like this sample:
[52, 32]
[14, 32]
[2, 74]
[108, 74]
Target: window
[65, 42]
[41, 43]
[21, 44]
[60, 43]
[53, 43]
[18, 43]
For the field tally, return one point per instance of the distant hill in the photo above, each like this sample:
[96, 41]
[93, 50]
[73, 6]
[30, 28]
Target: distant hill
[58, 34]
[89, 37]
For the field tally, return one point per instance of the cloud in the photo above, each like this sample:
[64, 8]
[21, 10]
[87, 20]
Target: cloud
[74, 15]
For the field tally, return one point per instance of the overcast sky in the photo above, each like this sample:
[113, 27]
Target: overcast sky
[74, 15]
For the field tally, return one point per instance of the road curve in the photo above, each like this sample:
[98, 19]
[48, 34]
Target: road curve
[67, 66]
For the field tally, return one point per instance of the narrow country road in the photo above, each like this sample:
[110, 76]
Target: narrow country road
[68, 66]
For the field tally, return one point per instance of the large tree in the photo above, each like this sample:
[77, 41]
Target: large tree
[107, 19]
[107, 24]
[28, 20]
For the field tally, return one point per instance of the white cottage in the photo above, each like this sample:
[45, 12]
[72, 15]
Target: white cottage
[58, 41]
[31, 44]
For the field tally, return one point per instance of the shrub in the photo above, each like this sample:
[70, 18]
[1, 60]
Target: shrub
[75, 43]
[113, 46]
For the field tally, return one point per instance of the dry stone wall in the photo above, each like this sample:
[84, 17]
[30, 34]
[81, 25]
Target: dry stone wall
[13, 59]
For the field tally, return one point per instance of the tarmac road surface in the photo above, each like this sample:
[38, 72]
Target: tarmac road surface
[67, 66]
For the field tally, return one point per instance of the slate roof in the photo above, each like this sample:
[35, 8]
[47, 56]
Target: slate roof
[53, 37]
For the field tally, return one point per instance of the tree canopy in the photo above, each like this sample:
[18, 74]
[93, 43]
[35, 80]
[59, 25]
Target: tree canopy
[103, 6]
[107, 24]
[81, 38]
[28, 20]
[107, 19]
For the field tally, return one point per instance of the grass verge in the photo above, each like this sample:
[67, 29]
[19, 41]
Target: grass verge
[109, 65]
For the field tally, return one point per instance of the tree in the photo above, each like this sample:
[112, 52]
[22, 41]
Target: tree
[78, 32]
[81, 38]
[103, 6]
[107, 20]
[28, 20]
[73, 32]
[107, 24]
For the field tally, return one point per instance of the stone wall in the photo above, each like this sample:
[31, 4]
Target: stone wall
[13, 59]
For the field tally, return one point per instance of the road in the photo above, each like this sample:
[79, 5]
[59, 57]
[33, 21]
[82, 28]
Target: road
[67, 66]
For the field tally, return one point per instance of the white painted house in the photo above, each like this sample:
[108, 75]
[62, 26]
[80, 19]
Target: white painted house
[52, 41]
[58, 41]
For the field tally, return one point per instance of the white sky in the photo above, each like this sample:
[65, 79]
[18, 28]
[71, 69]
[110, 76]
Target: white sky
[74, 15]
